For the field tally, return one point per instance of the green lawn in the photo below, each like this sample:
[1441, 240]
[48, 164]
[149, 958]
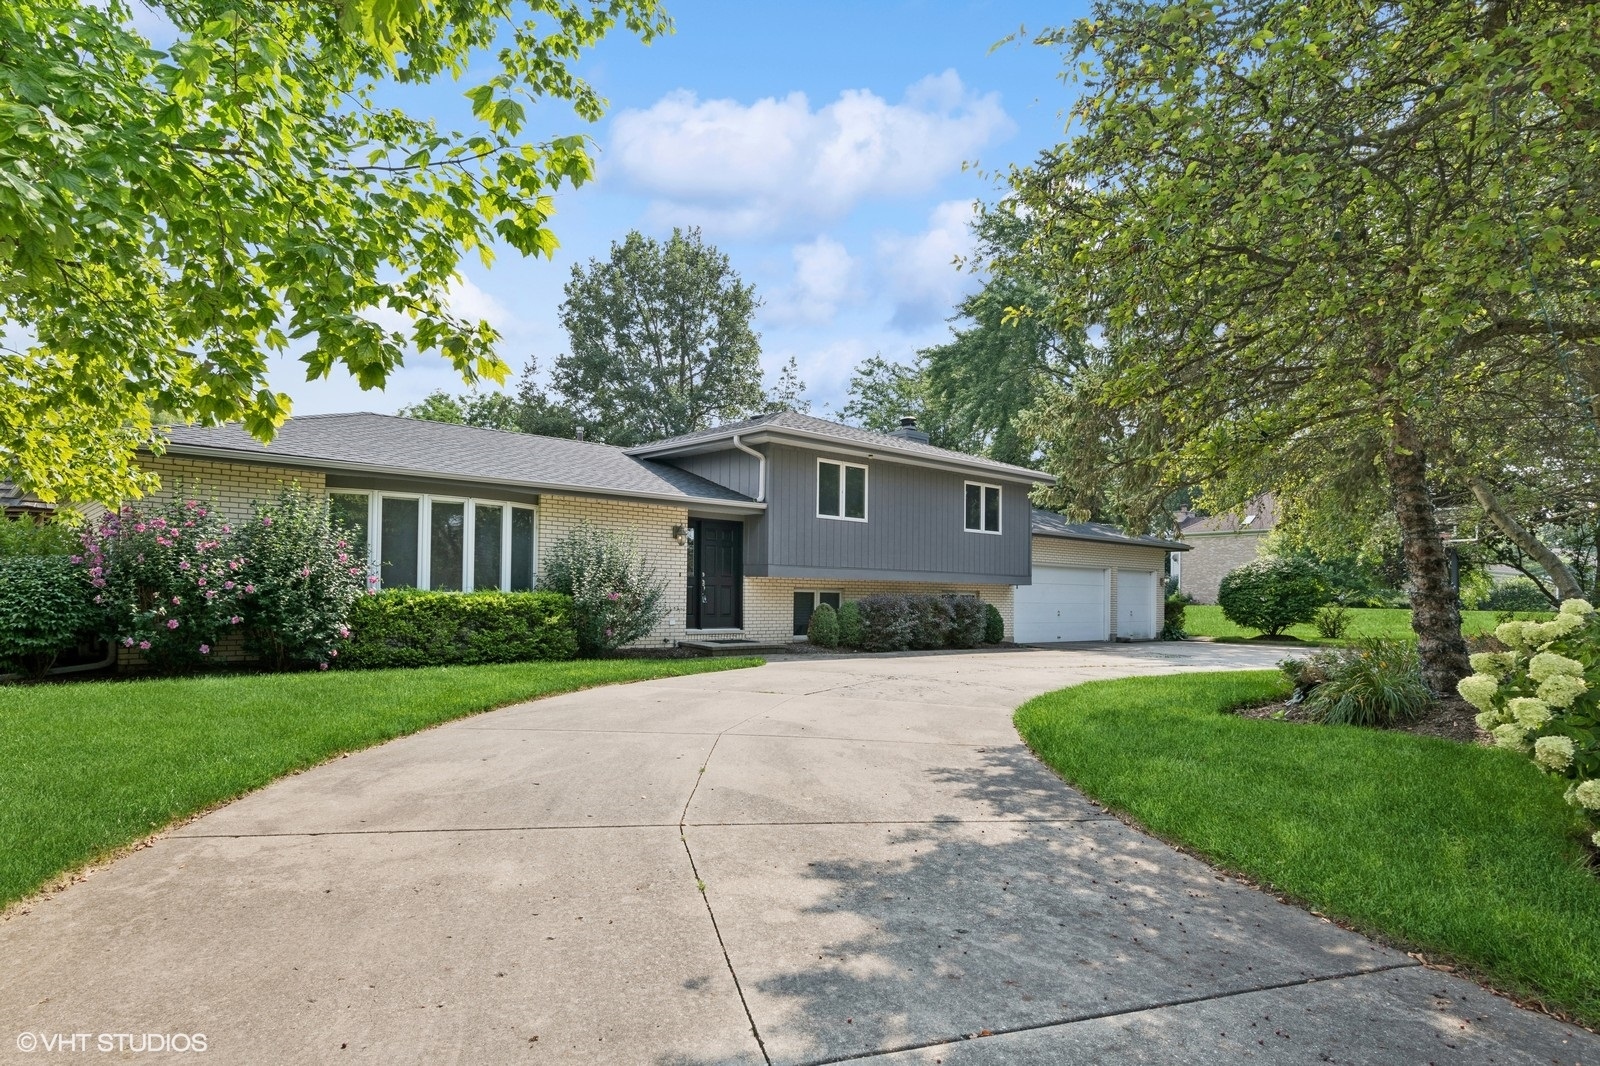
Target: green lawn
[1207, 621]
[88, 768]
[1463, 852]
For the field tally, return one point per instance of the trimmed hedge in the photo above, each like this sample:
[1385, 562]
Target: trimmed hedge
[405, 627]
[45, 609]
[823, 631]
[850, 624]
[994, 624]
[891, 622]
[1272, 593]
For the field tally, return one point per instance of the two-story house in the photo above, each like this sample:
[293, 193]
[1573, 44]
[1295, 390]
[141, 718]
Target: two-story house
[751, 525]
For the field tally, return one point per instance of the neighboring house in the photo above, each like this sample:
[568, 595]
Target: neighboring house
[1220, 543]
[751, 525]
[14, 503]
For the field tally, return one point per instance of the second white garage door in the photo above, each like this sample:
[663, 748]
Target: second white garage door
[1063, 603]
[1136, 604]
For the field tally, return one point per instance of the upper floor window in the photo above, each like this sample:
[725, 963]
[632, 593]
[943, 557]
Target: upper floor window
[841, 490]
[983, 508]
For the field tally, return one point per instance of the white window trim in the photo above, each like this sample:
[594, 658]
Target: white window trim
[425, 502]
[983, 507]
[816, 601]
[866, 491]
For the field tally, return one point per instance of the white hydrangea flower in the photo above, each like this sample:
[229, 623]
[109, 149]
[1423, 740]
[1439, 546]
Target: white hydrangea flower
[1548, 664]
[1478, 690]
[1562, 690]
[1530, 713]
[1553, 753]
[1587, 794]
[1560, 626]
[1511, 633]
[1577, 607]
[1487, 720]
[1595, 840]
[1510, 735]
[1494, 663]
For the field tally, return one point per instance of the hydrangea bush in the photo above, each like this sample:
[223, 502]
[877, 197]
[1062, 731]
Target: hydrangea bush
[1542, 697]
[168, 580]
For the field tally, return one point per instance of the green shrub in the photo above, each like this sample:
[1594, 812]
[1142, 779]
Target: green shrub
[1271, 594]
[46, 607]
[1332, 621]
[931, 621]
[886, 622]
[407, 627]
[1518, 594]
[305, 578]
[616, 597]
[823, 629]
[1377, 682]
[968, 621]
[24, 536]
[850, 624]
[1172, 615]
[994, 626]
[1541, 697]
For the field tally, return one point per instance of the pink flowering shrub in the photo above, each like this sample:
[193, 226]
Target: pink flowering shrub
[300, 579]
[616, 597]
[160, 574]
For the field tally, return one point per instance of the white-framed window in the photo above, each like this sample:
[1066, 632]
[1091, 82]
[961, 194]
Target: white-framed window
[443, 543]
[982, 508]
[841, 490]
[806, 602]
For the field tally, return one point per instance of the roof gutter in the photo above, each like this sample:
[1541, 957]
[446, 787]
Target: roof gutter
[761, 487]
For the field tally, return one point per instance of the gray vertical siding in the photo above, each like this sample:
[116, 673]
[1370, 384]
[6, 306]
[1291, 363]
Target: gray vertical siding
[914, 528]
[731, 468]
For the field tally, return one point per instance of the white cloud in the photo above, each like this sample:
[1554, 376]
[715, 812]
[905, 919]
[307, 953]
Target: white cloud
[826, 276]
[776, 162]
[921, 272]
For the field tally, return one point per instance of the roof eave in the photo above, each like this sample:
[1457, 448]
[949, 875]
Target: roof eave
[1129, 542]
[204, 451]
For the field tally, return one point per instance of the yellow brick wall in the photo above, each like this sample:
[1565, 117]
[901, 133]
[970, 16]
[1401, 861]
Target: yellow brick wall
[650, 526]
[1059, 551]
[236, 487]
[769, 601]
[1211, 557]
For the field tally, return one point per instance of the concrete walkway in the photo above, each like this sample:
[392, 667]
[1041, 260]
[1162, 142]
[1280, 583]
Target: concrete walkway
[885, 871]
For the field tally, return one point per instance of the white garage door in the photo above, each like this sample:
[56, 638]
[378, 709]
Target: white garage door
[1063, 603]
[1136, 604]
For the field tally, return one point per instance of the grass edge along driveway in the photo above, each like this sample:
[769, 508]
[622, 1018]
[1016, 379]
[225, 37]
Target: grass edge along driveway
[87, 769]
[1465, 853]
[1206, 620]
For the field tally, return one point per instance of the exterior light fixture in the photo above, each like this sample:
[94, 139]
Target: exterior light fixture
[680, 534]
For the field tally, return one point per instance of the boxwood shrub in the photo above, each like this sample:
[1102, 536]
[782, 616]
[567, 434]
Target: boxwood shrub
[892, 622]
[1272, 593]
[969, 621]
[850, 624]
[994, 624]
[405, 627]
[823, 630]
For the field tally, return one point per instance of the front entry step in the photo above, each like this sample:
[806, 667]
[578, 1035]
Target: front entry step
[736, 646]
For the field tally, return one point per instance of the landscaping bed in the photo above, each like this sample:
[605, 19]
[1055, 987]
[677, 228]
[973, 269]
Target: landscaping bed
[1464, 853]
[89, 768]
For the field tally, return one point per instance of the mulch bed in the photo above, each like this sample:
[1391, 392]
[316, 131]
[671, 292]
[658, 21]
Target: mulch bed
[1450, 719]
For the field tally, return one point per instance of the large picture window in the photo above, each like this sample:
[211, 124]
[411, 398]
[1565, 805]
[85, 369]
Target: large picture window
[982, 508]
[841, 491]
[441, 543]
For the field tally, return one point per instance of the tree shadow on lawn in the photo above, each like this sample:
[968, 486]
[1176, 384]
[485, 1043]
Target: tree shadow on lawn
[859, 938]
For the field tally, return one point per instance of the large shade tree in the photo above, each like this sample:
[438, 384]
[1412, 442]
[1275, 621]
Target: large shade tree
[171, 217]
[1315, 232]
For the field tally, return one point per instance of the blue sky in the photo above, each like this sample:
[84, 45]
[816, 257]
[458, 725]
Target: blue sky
[826, 147]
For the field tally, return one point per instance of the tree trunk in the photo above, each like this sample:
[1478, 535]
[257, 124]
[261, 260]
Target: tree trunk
[1566, 582]
[1435, 616]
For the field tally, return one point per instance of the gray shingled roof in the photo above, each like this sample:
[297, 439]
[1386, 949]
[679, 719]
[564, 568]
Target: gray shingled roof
[408, 446]
[794, 423]
[1050, 524]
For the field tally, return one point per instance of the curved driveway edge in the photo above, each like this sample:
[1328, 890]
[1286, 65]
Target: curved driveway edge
[820, 860]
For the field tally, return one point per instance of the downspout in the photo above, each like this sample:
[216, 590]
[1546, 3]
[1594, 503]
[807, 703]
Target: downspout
[761, 488]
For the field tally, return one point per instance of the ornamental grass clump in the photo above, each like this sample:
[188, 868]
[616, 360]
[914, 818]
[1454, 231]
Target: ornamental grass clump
[1376, 682]
[168, 579]
[1539, 697]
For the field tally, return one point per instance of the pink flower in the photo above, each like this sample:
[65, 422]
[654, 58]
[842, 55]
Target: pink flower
[98, 582]
[127, 642]
[191, 504]
[76, 559]
[183, 564]
[172, 623]
[355, 571]
[266, 520]
[322, 666]
[227, 584]
[249, 589]
[227, 528]
[235, 620]
[201, 512]
[344, 557]
[334, 652]
[305, 571]
[205, 649]
[140, 527]
[344, 631]
[176, 599]
[200, 581]
[144, 645]
[342, 544]
[233, 564]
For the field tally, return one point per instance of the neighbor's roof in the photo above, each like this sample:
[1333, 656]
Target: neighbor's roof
[390, 444]
[792, 427]
[1257, 516]
[1050, 524]
[13, 499]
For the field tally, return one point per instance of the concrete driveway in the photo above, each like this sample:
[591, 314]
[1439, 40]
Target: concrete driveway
[820, 860]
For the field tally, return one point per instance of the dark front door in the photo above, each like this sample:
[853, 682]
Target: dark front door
[716, 584]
